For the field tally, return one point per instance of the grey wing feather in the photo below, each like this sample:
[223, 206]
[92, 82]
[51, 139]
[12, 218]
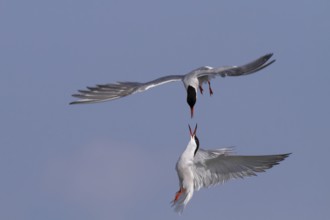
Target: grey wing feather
[246, 69]
[107, 92]
[217, 166]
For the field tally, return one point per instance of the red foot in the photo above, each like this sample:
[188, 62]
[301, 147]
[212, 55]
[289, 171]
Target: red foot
[178, 194]
[201, 89]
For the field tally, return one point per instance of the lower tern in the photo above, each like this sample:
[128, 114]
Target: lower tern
[199, 168]
[191, 81]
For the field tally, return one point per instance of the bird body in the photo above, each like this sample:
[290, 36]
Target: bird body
[184, 169]
[191, 81]
[197, 168]
[192, 78]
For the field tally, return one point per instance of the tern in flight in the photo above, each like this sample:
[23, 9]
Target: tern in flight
[199, 168]
[191, 81]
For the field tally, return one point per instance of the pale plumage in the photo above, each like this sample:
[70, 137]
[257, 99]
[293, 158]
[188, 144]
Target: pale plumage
[192, 81]
[199, 168]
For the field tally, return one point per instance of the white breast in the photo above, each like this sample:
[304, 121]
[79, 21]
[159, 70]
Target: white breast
[192, 80]
[185, 163]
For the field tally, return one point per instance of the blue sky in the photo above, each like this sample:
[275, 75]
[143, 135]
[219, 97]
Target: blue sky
[116, 160]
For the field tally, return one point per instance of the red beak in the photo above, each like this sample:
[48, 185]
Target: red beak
[192, 134]
[192, 112]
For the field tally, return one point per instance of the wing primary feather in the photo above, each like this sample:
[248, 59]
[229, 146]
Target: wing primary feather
[111, 91]
[246, 69]
[214, 168]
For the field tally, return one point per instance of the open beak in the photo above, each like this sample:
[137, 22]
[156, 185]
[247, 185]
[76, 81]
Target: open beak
[192, 112]
[192, 134]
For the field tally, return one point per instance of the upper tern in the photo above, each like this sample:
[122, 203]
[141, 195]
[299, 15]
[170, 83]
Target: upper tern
[199, 168]
[191, 81]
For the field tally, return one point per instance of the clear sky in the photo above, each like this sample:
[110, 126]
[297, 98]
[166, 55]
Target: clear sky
[116, 160]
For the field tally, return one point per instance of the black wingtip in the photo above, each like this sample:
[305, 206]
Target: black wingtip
[268, 56]
[286, 155]
[273, 61]
[74, 102]
[79, 102]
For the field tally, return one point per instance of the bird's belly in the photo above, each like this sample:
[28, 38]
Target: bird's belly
[190, 80]
[185, 174]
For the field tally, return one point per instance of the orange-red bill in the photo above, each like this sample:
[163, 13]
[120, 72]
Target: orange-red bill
[192, 112]
[192, 133]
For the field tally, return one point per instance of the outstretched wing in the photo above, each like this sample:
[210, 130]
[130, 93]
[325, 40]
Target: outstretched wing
[107, 92]
[212, 167]
[246, 69]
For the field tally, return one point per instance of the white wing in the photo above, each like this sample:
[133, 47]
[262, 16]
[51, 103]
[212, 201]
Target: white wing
[107, 92]
[217, 166]
[246, 69]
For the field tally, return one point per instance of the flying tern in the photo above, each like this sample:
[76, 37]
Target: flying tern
[191, 81]
[199, 168]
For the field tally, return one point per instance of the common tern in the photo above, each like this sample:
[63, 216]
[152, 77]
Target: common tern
[199, 168]
[191, 81]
